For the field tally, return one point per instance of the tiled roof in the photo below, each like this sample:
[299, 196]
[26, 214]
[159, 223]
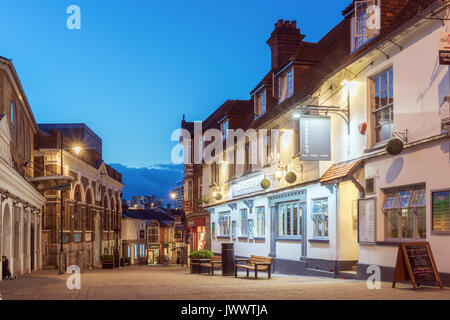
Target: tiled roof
[340, 171]
[236, 108]
[147, 215]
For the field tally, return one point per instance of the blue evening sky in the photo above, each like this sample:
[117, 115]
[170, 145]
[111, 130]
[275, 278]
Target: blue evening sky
[136, 66]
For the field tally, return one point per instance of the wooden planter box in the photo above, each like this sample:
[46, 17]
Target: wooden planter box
[108, 262]
[195, 265]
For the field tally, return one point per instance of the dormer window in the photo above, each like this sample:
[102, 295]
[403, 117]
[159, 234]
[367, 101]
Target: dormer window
[260, 103]
[224, 128]
[364, 22]
[285, 85]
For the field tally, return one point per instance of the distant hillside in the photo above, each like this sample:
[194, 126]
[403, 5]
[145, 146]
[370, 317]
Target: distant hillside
[159, 179]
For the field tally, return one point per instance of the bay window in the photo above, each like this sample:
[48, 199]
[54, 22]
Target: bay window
[405, 213]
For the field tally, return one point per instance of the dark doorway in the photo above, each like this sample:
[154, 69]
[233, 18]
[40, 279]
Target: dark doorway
[32, 249]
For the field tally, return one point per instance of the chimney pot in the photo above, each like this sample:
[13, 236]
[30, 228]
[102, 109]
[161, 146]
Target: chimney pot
[284, 41]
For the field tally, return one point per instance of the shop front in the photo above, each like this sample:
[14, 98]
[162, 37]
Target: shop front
[197, 234]
[153, 253]
[406, 204]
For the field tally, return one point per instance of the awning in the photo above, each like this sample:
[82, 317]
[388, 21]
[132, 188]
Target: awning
[47, 183]
[340, 171]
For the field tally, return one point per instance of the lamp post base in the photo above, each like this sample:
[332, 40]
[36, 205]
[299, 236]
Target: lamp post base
[116, 259]
[61, 262]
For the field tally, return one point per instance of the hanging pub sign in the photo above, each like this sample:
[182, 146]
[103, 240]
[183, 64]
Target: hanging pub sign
[187, 205]
[440, 211]
[315, 138]
[415, 263]
[444, 48]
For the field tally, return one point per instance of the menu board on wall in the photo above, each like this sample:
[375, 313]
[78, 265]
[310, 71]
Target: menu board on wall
[367, 221]
[440, 205]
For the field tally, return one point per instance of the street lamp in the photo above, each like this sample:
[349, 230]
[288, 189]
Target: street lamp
[173, 195]
[76, 149]
[61, 250]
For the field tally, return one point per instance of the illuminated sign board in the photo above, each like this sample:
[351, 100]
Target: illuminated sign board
[247, 185]
[315, 138]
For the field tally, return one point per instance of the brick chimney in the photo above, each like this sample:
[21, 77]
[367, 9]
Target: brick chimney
[283, 41]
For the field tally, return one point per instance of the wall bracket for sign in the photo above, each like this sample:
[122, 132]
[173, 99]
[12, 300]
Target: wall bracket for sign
[344, 113]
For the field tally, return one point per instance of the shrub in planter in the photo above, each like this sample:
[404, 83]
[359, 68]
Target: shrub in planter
[200, 202]
[195, 256]
[201, 254]
[206, 200]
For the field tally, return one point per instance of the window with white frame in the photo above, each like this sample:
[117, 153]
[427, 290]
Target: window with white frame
[260, 222]
[244, 222]
[224, 223]
[289, 220]
[285, 85]
[233, 228]
[361, 31]
[383, 105]
[319, 215]
[224, 128]
[215, 173]
[405, 212]
[153, 232]
[260, 103]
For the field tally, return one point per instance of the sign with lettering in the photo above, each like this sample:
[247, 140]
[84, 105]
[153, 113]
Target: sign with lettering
[187, 205]
[415, 263]
[444, 48]
[195, 222]
[250, 184]
[315, 138]
[366, 221]
[440, 206]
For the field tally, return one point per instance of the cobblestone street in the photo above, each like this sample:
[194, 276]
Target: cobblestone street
[176, 283]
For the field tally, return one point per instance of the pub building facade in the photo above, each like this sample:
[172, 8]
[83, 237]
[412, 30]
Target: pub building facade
[197, 224]
[92, 193]
[21, 205]
[342, 192]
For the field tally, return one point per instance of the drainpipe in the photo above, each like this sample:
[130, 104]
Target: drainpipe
[336, 269]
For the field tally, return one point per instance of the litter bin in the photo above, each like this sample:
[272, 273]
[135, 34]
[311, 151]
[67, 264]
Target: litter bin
[227, 259]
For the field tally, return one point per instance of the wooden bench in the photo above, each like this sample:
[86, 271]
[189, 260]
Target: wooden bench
[211, 263]
[255, 263]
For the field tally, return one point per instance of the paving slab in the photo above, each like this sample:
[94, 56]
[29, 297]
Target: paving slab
[176, 283]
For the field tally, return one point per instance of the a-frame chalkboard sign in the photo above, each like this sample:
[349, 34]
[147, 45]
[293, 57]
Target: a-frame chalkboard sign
[415, 263]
